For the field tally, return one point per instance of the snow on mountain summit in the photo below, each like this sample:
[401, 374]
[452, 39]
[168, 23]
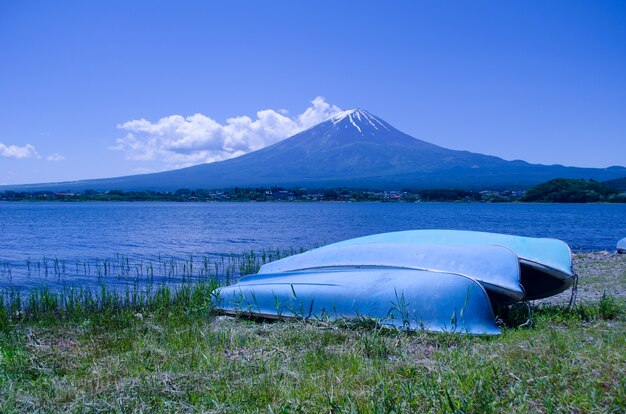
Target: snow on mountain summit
[359, 119]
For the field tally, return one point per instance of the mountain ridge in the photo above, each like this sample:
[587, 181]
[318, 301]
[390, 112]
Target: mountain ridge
[350, 149]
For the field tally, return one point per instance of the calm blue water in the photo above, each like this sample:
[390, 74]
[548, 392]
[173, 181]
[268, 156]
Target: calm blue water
[80, 232]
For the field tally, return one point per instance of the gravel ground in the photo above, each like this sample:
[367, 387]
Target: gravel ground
[599, 273]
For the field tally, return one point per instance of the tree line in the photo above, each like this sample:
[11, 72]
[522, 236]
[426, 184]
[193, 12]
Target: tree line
[554, 191]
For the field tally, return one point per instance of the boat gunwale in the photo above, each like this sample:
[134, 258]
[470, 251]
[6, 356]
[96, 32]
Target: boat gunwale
[514, 294]
[363, 240]
[551, 271]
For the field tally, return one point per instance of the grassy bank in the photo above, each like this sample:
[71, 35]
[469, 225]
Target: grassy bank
[173, 353]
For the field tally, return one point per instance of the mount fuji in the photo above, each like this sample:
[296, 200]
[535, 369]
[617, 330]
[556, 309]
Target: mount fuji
[353, 149]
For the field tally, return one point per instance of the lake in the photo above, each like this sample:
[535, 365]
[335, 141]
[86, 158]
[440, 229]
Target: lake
[68, 235]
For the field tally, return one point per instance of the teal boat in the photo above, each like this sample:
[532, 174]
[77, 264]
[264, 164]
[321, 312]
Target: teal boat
[496, 268]
[545, 264]
[437, 280]
[402, 298]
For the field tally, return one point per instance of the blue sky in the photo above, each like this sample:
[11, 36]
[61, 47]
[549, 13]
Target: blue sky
[98, 89]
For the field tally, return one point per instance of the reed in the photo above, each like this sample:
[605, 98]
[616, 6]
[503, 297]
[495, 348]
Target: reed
[121, 283]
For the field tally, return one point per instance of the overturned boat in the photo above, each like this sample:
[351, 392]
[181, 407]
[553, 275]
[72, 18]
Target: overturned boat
[403, 298]
[496, 268]
[545, 263]
[621, 246]
[438, 280]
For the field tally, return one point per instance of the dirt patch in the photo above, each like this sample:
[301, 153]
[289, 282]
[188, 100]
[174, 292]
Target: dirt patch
[599, 273]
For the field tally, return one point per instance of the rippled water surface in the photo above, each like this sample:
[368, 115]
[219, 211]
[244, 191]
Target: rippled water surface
[79, 232]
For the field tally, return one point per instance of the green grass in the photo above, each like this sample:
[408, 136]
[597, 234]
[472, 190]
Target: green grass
[170, 352]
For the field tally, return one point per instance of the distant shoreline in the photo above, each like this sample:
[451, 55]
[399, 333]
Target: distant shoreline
[559, 190]
[31, 201]
[78, 201]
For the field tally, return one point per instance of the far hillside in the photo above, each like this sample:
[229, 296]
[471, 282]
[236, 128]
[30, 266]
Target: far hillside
[563, 190]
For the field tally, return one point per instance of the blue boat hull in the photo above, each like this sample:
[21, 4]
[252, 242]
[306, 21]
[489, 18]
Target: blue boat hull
[545, 264]
[436, 280]
[402, 298]
[496, 268]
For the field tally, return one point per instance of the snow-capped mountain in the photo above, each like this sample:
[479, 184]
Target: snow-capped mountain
[353, 149]
[361, 120]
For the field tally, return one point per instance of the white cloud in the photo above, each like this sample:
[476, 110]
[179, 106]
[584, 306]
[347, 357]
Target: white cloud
[183, 141]
[15, 152]
[55, 157]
